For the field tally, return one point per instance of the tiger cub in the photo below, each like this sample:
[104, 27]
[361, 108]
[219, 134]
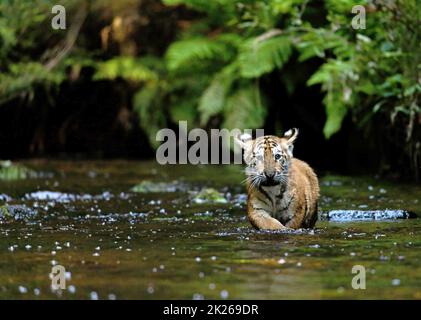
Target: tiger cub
[282, 191]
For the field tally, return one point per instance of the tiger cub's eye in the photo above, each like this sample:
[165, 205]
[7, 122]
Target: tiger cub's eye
[277, 156]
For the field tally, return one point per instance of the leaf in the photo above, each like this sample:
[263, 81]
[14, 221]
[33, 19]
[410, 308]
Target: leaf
[316, 42]
[215, 8]
[202, 5]
[187, 54]
[336, 111]
[184, 111]
[285, 6]
[258, 57]
[125, 67]
[319, 77]
[146, 103]
[213, 98]
[335, 76]
[378, 106]
[244, 109]
[22, 78]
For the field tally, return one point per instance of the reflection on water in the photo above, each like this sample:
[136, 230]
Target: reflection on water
[115, 243]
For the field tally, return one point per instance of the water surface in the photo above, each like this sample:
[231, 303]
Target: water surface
[117, 244]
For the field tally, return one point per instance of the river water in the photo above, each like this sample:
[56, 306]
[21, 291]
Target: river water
[118, 244]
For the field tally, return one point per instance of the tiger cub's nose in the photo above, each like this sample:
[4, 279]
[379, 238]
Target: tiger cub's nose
[270, 175]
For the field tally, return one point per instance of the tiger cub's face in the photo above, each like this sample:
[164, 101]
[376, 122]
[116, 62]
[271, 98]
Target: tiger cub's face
[267, 158]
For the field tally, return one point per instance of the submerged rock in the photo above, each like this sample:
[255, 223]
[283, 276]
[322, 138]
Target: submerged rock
[209, 195]
[68, 197]
[10, 171]
[4, 197]
[48, 195]
[16, 212]
[147, 186]
[355, 215]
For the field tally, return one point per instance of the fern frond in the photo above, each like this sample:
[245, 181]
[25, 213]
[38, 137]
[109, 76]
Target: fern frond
[336, 110]
[22, 77]
[260, 57]
[244, 109]
[191, 53]
[147, 104]
[200, 5]
[213, 98]
[125, 67]
[211, 7]
[315, 42]
[335, 77]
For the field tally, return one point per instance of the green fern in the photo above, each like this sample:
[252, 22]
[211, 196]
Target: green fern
[125, 67]
[316, 42]
[213, 98]
[201, 5]
[244, 109]
[147, 103]
[258, 57]
[336, 77]
[217, 10]
[339, 10]
[23, 77]
[193, 54]
[184, 98]
[336, 111]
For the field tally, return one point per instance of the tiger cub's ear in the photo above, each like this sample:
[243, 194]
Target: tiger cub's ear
[291, 135]
[243, 139]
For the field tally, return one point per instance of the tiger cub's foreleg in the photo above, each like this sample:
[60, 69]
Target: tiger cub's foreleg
[261, 219]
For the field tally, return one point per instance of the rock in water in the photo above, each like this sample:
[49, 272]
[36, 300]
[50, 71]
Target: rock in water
[147, 186]
[10, 171]
[209, 195]
[4, 197]
[355, 215]
[16, 212]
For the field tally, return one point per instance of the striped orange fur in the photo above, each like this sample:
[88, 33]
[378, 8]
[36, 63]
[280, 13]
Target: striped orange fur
[282, 190]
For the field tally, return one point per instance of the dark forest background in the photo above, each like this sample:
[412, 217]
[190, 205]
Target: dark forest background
[122, 70]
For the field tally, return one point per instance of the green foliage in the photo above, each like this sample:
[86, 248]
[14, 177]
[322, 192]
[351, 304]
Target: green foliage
[218, 11]
[376, 68]
[240, 105]
[196, 54]
[213, 99]
[20, 23]
[23, 78]
[124, 67]
[22, 32]
[337, 79]
[10, 171]
[148, 103]
[365, 73]
[259, 55]
[209, 75]
[318, 42]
